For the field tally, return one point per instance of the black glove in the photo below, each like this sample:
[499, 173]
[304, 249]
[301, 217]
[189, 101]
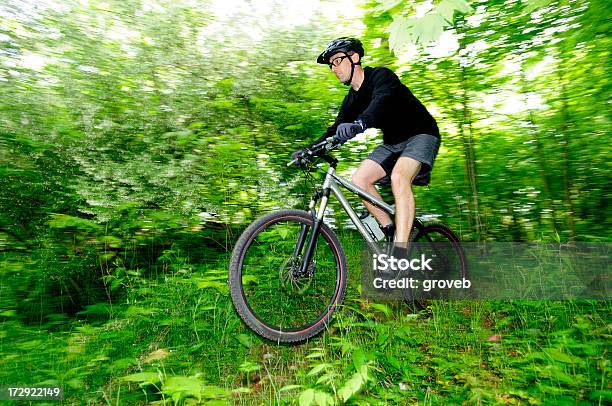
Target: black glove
[346, 131]
[297, 155]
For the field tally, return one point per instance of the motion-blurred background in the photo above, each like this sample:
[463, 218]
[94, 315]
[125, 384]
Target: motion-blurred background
[138, 138]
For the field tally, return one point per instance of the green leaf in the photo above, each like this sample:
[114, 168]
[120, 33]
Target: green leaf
[140, 311]
[8, 313]
[359, 358]
[399, 32]
[306, 397]
[111, 241]
[382, 308]
[316, 354]
[244, 340]
[66, 221]
[213, 392]
[364, 371]
[323, 398]
[599, 395]
[248, 366]
[123, 363]
[559, 356]
[428, 28]
[248, 279]
[180, 387]
[143, 378]
[533, 5]
[75, 383]
[317, 369]
[287, 388]
[30, 345]
[393, 362]
[387, 5]
[354, 384]
[351, 387]
[283, 233]
[447, 8]
[326, 378]
[461, 6]
[204, 284]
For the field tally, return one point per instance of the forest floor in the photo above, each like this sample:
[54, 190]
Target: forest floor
[176, 338]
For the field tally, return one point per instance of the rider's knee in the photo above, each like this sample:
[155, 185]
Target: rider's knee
[401, 186]
[360, 180]
[399, 180]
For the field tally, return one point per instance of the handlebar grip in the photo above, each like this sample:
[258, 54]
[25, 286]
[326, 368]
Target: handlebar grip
[332, 142]
[327, 144]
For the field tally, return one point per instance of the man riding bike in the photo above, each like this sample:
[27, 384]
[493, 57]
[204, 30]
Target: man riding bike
[377, 99]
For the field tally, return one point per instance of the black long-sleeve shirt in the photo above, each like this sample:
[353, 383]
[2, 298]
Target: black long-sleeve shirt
[384, 102]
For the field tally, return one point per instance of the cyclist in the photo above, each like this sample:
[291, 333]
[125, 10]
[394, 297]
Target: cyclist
[377, 99]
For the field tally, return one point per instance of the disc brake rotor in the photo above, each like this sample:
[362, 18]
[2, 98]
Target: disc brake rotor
[292, 277]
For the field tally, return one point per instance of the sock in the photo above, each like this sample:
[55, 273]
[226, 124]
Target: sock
[400, 250]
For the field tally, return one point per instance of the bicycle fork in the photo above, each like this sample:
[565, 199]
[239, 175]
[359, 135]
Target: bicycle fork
[317, 218]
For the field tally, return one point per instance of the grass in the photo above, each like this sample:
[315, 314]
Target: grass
[176, 338]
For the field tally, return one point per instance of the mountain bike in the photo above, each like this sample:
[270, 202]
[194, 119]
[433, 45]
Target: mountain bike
[288, 271]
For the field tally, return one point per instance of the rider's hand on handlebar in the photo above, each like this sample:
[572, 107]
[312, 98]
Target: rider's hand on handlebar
[297, 155]
[301, 157]
[346, 131]
[333, 142]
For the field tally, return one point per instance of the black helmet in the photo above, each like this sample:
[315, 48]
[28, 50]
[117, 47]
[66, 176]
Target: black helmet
[344, 44]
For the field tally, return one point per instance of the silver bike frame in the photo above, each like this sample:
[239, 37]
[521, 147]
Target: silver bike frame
[332, 183]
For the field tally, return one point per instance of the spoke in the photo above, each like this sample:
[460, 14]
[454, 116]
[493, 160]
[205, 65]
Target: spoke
[278, 295]
[448, 258]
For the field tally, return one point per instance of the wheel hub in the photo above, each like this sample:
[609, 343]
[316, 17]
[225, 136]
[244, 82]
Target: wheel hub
[292, 276]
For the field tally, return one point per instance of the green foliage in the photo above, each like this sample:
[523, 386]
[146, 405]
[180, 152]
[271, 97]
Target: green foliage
[424, 29]
[138, 140]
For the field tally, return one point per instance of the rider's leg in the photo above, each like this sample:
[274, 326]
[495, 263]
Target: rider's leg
[402, 176]
[368, 173]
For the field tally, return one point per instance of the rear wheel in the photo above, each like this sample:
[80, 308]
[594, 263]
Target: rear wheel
[448, 263]
[269, 290]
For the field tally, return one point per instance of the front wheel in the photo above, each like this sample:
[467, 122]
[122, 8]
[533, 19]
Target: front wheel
[269, 290]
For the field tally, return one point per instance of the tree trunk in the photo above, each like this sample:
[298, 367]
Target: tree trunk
[541, 160]
[565, 153]
[470, 160]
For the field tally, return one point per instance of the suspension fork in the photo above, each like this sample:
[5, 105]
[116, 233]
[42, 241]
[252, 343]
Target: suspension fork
[317, 217]
[316, 227]
[304, 227]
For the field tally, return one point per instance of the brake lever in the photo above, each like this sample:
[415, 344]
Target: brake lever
[298, 159]
[332, 143]
[327, 144]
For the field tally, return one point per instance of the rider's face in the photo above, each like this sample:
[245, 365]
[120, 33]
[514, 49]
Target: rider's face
[343, 70]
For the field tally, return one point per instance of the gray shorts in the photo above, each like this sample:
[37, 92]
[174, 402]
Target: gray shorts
[421, 147]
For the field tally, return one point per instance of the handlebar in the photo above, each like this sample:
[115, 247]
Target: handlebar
[315, 150]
